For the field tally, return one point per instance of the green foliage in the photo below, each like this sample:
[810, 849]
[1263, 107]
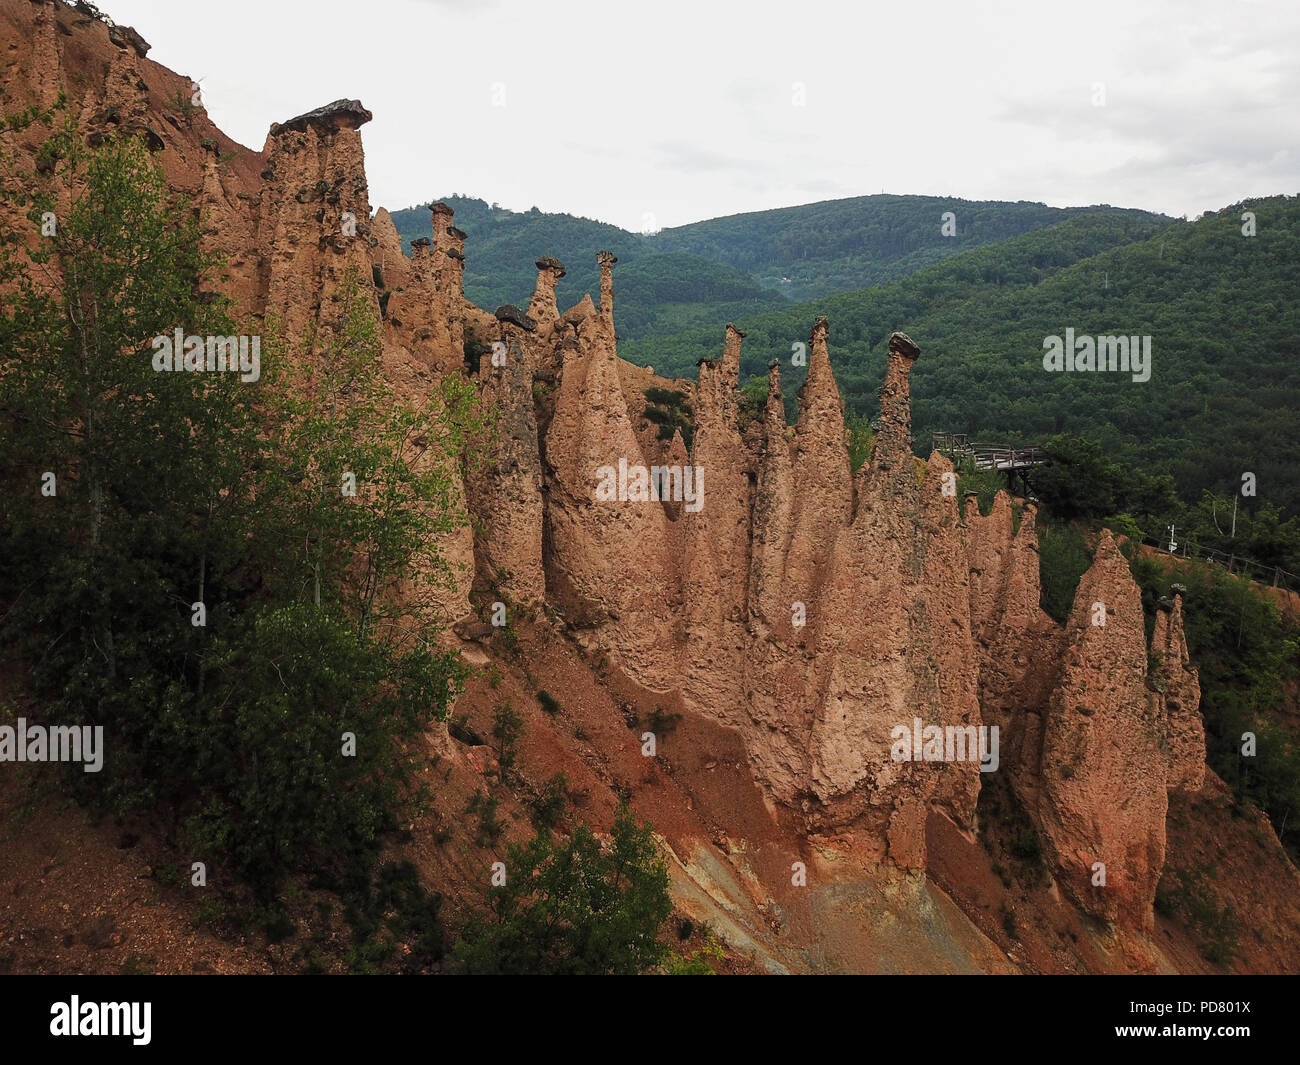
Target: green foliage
[184, 103]
[670, 411]
[658, 290]
[1184, 895]
[548, 702]
[1245, 528]
[662, 722]
[393, 908]
[261, 750]
[861, 439]
[549, 805]
[1076, 481]
[984, 483]
[484, 805]
[177, 488]
[507, 725]
[574, 907]
[1063, 557]
[726, 269]
[665, 397]
[980, 318]
[696, 963]
[1248, 658]
[84, 7]
[138, 965]
[752, 401]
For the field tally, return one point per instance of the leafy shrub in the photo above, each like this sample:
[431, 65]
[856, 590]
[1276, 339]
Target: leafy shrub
[666, 397]
[489, 828]
[507, 724]
[661, 722]
[549, 805]
[574, 907]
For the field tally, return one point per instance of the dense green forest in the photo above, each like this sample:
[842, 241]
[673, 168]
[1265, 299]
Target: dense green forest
[727, 268]
[822, 248]
[1219, 306]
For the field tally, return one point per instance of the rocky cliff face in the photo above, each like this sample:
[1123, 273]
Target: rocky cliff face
[1105, 763]
[1018, 645]
[753, 580]
[314, 218]
[505, 469]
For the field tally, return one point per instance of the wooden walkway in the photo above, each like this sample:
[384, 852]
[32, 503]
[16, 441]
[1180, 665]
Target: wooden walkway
[1010, 460]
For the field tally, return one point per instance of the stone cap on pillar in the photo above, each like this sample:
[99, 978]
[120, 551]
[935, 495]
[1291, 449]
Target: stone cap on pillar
[126, 37]
[550, 262]
[606, 257]
[902, 344]
[508, 312]
[341, 114]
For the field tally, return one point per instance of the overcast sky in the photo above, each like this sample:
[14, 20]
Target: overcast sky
[660, 113]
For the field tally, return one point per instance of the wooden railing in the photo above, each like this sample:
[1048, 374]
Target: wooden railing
[1275, 576]
[985, 456]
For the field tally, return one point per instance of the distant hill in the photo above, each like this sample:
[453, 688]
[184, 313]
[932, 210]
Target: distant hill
[1220, 307]
[737, 266]
[821, 248]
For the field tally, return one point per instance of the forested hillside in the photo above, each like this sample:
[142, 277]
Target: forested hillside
[733, 267]
[1219, 306]
[821, 248]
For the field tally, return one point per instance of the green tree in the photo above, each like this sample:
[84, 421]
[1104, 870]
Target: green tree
[266, 728]
[574, 907]
[507, 725]
[1077, 480]
[861, 439]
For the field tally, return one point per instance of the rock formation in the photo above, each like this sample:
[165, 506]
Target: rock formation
[1105, 761]
[505, 470]
[1176, 682]
[753, 579]
[314, 218]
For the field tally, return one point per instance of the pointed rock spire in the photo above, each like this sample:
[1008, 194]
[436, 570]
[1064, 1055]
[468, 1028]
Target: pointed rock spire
[822, 458]
[1101, 734]
[731, 354]
[1179, 685]
[607, 259]
[894, 438]
[773, 503]
[542, 308]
